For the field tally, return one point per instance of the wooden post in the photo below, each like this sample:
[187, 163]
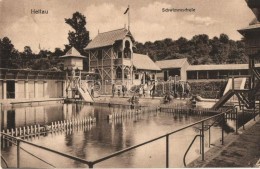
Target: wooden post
[3, 137]
[233, 83]
[8, 142]
[28, 131]
[20, 131]
[12, 133]
[32, 130]
[52, 126]
[16, 132]
[18, 153]
[39, 130]
[35, 130]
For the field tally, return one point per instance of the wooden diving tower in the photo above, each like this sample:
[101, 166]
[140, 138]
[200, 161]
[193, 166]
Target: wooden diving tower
[252, 41]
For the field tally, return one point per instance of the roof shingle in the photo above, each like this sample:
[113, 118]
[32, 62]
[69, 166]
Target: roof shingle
[144, 62]
[173, 63]
[108, 38]
[73, 53]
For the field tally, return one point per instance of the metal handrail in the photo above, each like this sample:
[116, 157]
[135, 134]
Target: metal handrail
[4, 161]
[44, 148]
[184, 157]
[31, 154]
[157, 138]
[92, 163]
[200, 135]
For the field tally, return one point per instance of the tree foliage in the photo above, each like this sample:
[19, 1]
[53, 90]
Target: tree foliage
[79, 38]
[199, 50]
[6, 52]
[44, 60]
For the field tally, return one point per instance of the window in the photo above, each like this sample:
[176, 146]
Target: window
[127, 50]
[119, 54]
[192, 75]
[118, 73]
[153, 76]
[202, 74]
[136, 76]
[213, 74]
[99, 54]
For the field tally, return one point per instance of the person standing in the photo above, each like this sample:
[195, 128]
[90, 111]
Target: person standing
[144, 91]
[152, 91]
[113, 90]
[140, 91]
[124, 89]
[92, 90]
[118, 91]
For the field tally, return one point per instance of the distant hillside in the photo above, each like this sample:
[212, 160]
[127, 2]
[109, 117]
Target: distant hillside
[199, 50]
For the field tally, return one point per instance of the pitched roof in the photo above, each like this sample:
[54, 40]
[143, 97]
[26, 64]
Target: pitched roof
[253, 27]
[144, 62]
[219, 67]
[108, 38]
[73, 53]
[173, 63]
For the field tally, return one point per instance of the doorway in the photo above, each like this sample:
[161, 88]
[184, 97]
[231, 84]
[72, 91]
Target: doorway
[10, 84]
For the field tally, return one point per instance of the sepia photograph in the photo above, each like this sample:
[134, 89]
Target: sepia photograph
[130, 83]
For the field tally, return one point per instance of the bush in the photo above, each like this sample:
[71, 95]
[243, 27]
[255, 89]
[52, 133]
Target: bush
[211, 90]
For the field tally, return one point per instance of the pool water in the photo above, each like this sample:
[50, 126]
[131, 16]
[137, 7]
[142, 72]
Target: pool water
[105, 137]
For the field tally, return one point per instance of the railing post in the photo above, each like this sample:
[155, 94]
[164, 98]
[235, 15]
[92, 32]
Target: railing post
[233, 83]
[209, 136]
[254, 112]
[90, 165]
[243, 117]
[222, 131]
[18, 153]
[236, 121]
[167, 151]
[202, 140]
[259, 108]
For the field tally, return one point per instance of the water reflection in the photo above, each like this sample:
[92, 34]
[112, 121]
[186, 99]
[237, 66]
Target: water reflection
[105, 137]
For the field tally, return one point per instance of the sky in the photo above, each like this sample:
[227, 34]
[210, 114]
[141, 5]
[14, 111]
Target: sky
[147, 20]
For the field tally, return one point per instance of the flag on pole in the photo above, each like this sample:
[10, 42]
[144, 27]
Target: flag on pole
[126, 10]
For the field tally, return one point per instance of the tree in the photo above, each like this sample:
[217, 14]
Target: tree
[28, 57]
[6, 49]
[79, 38]
[199, 50]
[223, 38]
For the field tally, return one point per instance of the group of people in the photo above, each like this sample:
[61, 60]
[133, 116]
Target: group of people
[141, 90]
[179, 90]
[144, 88]
[122, 89]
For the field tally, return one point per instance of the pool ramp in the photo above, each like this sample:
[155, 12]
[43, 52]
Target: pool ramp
[238, 87]
[85, 95]
[239, 83]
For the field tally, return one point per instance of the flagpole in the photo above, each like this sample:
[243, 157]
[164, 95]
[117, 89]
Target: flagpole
[129, 17]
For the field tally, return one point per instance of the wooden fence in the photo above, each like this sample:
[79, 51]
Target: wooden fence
[27, 132]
